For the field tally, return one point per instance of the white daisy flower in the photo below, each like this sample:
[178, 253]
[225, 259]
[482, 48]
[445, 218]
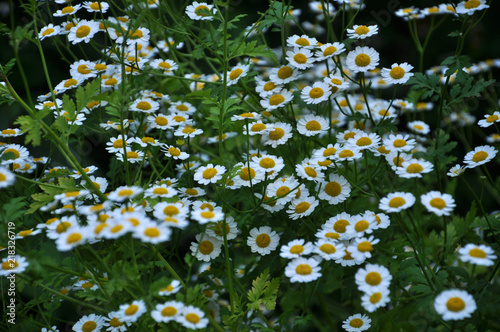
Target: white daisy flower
[201, 11]
[477, 254]
[7, 178]
[217, 229]
[160, 121]
[278, 135]
[329, 50]
[309, 171]
[373, 278]
[68, 10]
[362, 31]
[282, 189]
[489, 119]
[362, 247]
[263, 240]
[96, 7]
[171, 288]
[131, 312]
[303, 270]
[414, 168]
[336, 190]
[203, 216]
[168, 66]
[83, 31]
[329, 249]
[300, 58]
[400, 143]
[123, 193]
[9, 265]
[168, 311]
[112, 323]
[349, 153]
[373, 300]
[72, 238]
[302, 207]
[337, 226]
[454, 304]
[455, 171]
[296, 248]
[479, 156]
[268, 164]
[248, 116]
[419, 127]
[364, 141]
[188, 131]
[266, 88]
[89, 323]
[316, 93]
[357, 323]
[438, 203]
[284, 74]
[49, 31]
[396, 202]
[337, 84]
[236, 73]
[247, 176]
[301, 41]
[207, 248]
[397, 74]
[362, 59]
[209, 174]
[70, 83]
[360, 225]
[192, 318]
[277, 100]
[470, 6]
[174, 152]
[144, 105]
[348, 260]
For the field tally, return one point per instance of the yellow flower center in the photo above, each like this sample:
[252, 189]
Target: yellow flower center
[191, 191]
[246, 175]
[263, 240]
[47, 32]
[132, 155]
[111, 81]
[168, 312]
[206, 247]
[300, 58]
[296, 249]
[143, 105]
[161, 121]
[472, 4]
[397, 73]
[246, 115]
[397, 202]
[100, 66]
[89, 326]
[365, 246]
[356, 322]
[375, 297]
[209, 173]
[373, 278]
[492, 118]
[82, 31]
[399, 143]
[269, 86]
[73, 238]
[207, 214]
[302, 42]
[152, 232]
[192, 318]
[414, 168]
[333, 188]
[479, 156]
[83, 69]
[16, 153]
[331, 235]
[171, 210]
[188, 130]
[115, 322]
[219, 228]
[70, 83]
[303, 269]
[340, 225]
[285, 72]
[329, 152]
[276, 134]
[67, 10]
[363, 141]
[160, 191]
[310, 171]
[346, 154]
[235, 74]
[116, 229]
[455, 304]
[329, 50]
[125, 192]
[200, 9]
[302, 207]
[361, 226]
[328, 248]
[361, 30]
[267, 163]
[276, 99]
[132, 309]
[9, 265]
[316, 93]
[62, 227]
[478, 253]
[438, 203]
[362, 60]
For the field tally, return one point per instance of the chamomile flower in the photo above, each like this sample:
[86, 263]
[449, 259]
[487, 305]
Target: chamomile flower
[399, 142]
[373, 300]
[397, 74]
[278, 135]
[68, 10]
[192, 318]
[174, 152]
[247, 176]
[373, 278]
[335, 190]
[414, 168]
[357, 323]
[477, 254]
[49, 31]
[131, 312]
[337, 84]
[203, 216]
[362, 247]
[89, 323]
[396, 202]
[309, 171]
[7, 178]
[300, 58]
[362, 59]
[9, 265]
[302, 207]
[362, 31]
[96, 7]
[83, 31]
[364, 141]
[454, 304]
[191, 192]
[268, 164]
[247, 116]
[284, 74]
[303, 270]
[172, 288]
[489, 119]
[207, 248]
[123, 193]
[479, 156]
[282, 188]
[115, 229]
[316, 93]
[419, 127]
[470, 6]
[237, 72]
[144, 105]
[277, 100]
[70, 83]
[112, 323]
[217, 229]
[438, 203]
[266, 88]
[160, 191]
[200, 11]
[349, 153]
[301, 41]
[72, 238]
[209, 174]
[166, 312]
[49, 104]
[188, 131]
[82, 70]
[263, 240]
[360, 225]
[329, 249]
[168, 66]
[456, 171]
[296, 248]
[329, 50]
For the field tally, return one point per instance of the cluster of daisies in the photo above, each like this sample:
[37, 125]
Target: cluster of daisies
[468, 7]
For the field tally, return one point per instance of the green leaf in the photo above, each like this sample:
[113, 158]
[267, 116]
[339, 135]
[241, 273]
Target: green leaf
[32, 126]
[264, 291]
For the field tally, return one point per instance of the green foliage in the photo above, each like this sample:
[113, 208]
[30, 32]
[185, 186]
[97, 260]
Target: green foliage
[32, 126]
[264, 291]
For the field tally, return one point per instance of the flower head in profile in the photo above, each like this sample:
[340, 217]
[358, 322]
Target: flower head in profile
[200, 11]
[362, 31]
